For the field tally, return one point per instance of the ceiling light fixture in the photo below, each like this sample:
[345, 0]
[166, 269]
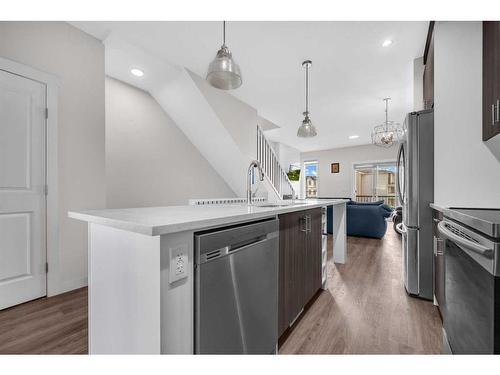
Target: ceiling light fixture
[307, 129]
[137, 72]
[387, 43]
[389, 133]
[223, 72]
[353, 136]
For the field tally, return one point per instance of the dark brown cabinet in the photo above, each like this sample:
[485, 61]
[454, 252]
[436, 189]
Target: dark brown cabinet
[299, 263]
[428, 85]
[491, 79]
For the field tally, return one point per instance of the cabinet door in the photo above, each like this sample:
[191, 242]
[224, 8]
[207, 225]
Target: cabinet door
[283, 243]
[313, 255]
[299, 265]
[285, 272]
[491, 79]
[290, 269]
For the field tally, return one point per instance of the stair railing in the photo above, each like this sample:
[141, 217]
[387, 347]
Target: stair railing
[272, 168]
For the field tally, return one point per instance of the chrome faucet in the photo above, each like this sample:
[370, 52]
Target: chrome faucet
[253, 164]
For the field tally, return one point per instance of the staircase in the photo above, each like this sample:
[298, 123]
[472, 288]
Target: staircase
[222, 127]
[275, 174]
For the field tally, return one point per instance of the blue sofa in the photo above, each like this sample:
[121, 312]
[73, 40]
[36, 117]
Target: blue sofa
[364, 219]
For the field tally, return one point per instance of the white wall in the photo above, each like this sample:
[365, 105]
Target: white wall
[466, 170]
[341, 184]
[149, 161]
[239, 118]
[287, 155]
[77, 59]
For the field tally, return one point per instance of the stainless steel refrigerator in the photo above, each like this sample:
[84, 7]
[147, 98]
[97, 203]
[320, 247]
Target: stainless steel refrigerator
[415, 187]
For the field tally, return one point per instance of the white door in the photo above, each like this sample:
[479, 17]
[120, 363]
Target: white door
[22, 189]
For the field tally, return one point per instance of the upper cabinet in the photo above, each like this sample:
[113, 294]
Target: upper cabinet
[428, 90]
[491, 79]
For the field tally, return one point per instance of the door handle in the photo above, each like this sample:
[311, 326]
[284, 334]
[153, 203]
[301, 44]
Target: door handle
[438, 243]
[398, 165]
[463, 242]
[495, 112]
[306, 219]
[303, 220]
[498, 111]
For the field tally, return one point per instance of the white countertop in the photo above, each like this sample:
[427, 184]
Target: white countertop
[437, 207]
[155, 221]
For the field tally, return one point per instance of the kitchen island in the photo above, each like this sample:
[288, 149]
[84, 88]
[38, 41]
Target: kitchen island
[141, 270]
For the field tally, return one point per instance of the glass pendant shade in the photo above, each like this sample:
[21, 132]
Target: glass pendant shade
[389, 133]
[307, 129]
[223, 72]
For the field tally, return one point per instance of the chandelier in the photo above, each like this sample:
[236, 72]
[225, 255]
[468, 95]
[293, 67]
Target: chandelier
[389, 133]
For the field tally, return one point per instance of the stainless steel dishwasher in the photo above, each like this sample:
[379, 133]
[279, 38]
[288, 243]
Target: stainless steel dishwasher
[236, 289]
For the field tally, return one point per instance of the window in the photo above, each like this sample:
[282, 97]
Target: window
[311, 181]
[375, 182]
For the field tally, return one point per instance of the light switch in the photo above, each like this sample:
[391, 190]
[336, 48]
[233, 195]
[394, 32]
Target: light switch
[178, 263]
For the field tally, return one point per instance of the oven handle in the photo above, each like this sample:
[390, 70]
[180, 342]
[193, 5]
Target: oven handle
[480, 249]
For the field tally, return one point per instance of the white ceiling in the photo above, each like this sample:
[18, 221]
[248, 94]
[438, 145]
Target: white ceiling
[350, 76]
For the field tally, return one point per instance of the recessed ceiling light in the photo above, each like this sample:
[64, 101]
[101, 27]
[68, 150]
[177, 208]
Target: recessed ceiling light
[353, 136]
[387, 43]
[137, 72]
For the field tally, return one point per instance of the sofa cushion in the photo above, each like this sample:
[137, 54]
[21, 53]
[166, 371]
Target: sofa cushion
[366, 221]
[387, 210]
[377, 203]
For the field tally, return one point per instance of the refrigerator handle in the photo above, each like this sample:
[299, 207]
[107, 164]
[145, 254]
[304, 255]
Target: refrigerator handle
[398, 164]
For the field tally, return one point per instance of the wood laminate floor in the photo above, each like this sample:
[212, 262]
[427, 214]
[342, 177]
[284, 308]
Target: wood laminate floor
[55, 325]
[364, 310]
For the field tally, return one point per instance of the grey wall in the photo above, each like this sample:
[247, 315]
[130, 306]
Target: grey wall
[149, 161]
[77, 59]
[341, 184]
[466, 169]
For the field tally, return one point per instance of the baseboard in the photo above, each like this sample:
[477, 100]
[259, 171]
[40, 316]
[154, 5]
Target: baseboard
[69, 285]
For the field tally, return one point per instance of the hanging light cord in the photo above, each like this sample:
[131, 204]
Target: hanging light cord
[386, 113]
[223, 33]
[307, 89]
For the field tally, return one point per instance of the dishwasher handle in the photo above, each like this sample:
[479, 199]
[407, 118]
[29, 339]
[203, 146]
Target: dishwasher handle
[230, 249]
[243, 246]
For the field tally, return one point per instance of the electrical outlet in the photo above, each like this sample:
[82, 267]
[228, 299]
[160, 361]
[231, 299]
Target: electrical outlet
[178, 263]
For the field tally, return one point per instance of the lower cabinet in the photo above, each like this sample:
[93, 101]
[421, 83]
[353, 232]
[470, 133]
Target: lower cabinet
[299, 263]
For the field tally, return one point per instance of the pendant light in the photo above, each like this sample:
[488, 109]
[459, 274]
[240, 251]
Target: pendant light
[223, 72]
[389, 133]
[307, 129]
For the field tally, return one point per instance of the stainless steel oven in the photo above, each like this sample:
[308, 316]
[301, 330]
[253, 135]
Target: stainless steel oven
[471, 314]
